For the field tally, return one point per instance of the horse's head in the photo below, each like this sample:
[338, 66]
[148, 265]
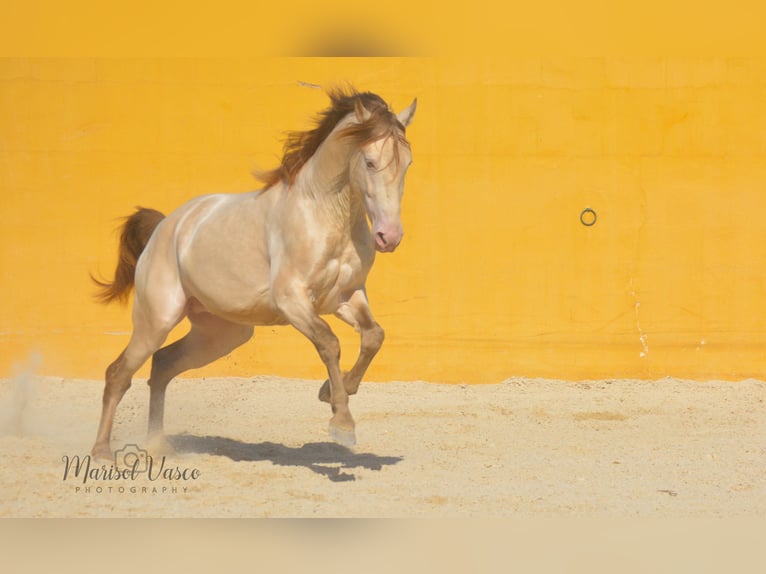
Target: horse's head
[374, 157]
[377, 172]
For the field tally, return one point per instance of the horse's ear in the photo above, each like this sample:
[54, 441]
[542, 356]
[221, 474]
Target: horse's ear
[406, 115]
[361, 112]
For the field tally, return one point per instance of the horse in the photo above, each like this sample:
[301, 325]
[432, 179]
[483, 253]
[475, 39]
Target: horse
[296, 249]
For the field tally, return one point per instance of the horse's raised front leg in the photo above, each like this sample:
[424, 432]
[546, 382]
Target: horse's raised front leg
[293, 302]
[356, 312]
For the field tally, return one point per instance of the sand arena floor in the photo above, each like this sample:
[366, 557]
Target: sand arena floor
[520, 448]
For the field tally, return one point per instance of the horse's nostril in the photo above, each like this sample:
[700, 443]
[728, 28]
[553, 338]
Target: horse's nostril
[382, 238]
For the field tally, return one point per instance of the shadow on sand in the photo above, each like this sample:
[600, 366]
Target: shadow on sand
[326, 458]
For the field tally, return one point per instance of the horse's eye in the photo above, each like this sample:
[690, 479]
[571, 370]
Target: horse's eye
[369, 163]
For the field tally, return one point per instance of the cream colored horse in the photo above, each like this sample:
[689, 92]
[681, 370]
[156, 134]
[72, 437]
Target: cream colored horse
[300, 248]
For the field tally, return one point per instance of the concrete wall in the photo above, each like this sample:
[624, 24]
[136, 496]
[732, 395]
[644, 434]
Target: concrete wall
[497, 276]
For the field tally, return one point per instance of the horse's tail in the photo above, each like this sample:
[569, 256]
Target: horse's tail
[135, 234]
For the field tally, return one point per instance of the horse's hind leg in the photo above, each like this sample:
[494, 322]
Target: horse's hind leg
[150, 330]
[210, 338]
[118, 380]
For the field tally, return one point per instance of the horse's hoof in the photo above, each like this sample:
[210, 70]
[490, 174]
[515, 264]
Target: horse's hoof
[102, 453]
[345, 437]
[324, 392]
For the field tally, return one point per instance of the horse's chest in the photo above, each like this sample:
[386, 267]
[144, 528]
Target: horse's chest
[334, 283]
[343, 273]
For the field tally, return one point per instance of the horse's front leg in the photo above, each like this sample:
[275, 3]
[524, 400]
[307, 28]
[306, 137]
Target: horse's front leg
[294, 303]
[356, 312]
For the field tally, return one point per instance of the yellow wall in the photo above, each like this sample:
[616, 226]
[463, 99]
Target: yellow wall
[496, 277]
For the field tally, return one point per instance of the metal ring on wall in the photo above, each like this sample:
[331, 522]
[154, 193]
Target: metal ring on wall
[588, 217]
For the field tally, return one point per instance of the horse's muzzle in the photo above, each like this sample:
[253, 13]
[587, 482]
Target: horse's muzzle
[386, 242]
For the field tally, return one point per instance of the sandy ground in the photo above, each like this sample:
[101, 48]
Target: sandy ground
[521, 448]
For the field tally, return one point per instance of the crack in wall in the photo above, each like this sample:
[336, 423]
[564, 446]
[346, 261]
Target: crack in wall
[641, 334]
[640, 232]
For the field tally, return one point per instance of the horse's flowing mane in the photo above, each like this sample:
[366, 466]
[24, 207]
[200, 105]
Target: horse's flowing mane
[299, 146]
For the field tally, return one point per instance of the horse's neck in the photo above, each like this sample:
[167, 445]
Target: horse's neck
[325, 178]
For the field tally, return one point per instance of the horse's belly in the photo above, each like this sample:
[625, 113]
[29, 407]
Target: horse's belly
[255, 314]
[257, 317]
